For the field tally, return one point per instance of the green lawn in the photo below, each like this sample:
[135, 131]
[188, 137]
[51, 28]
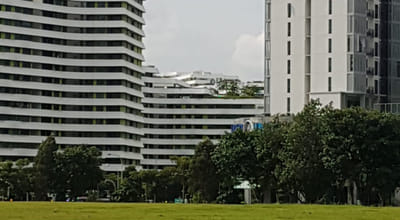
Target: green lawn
[103, 211]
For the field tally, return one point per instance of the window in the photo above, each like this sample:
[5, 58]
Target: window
[329, 84]
[376, 68]
[351, 63]
[376, 86]
[288, 67]
[398, 68]
[330, 26]
[376, 30]
[330, 7]
[288, 86]
[376, 11]
[361, 44]
[289, 10]
[376, 49]
[288, 105]
[288, 48]
[289, 29]
[348, 44]
[329, 64]
[329, 45]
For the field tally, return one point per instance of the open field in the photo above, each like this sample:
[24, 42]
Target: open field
[103, 211]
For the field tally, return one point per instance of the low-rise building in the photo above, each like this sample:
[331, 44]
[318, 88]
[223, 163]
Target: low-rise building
[178, 116]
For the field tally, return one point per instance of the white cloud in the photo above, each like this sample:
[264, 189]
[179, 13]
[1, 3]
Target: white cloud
[248, 56]
[188, 35]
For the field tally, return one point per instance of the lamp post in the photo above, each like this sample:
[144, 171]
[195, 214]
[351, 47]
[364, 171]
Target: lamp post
[9, 187]
[119, 181]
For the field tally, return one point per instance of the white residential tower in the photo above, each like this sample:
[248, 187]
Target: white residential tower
[72, 69]
[342, 52]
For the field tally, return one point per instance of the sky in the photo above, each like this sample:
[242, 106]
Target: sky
[221, 36]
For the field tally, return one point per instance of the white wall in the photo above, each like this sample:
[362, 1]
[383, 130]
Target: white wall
[279, 57]
[319, 73]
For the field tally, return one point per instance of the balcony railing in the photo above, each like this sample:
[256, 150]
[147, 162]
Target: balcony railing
[388, 107]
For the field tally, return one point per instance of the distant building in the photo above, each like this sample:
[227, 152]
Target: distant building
[259, 85]
[338, 51]
[201, 79]
[72, 68]
[178, 115]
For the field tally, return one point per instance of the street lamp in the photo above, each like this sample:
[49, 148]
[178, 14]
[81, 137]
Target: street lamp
[119, 182]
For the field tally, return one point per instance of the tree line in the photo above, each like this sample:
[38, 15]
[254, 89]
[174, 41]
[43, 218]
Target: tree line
[321, 155]
[54, 174]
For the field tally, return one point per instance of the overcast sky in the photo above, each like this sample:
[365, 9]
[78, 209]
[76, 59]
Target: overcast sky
[222, 36]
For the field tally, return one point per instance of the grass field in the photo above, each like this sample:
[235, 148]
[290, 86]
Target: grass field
[103, 211]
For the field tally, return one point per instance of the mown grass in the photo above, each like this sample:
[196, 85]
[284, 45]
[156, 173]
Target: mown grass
[103, 211]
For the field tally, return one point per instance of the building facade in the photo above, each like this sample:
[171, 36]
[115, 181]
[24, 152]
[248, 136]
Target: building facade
[201, 79]
[72, 69]
[342, 52]
[179, 115]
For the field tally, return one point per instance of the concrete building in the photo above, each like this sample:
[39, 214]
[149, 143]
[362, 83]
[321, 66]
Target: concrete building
[342, 52]
[258, 85]
[201, 79]
[178, 115]
[72, 68]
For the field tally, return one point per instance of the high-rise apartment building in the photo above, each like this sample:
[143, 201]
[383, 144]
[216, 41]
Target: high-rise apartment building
[72, 69]
[343, 52]
[179, 115]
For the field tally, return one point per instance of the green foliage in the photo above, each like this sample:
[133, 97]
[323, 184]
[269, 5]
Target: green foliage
[231, 87]
[322, 156]
[182, 173]
[131, 188]
[145, 185]
[78, 170]
[15, 180]
[44, 166]
[168, 187]
[363, 147]
[270, 143]
[302, 173]
[249, 91]
[72, 171]
[204, 181]
[236, 160]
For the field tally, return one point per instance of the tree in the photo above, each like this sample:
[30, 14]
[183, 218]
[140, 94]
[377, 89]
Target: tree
[148, 179]
[249, 91]
[270, 143]
[107, 188]
[44, 166]
[168, 187]
[203, 177]
[16, 180]
[231, 87]
[140, 186]
[182, 173]
[131, 188]
[78, 170]
[236, 160]
[361, 149]
[22, 179]
[302, 173]
[6, 172]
